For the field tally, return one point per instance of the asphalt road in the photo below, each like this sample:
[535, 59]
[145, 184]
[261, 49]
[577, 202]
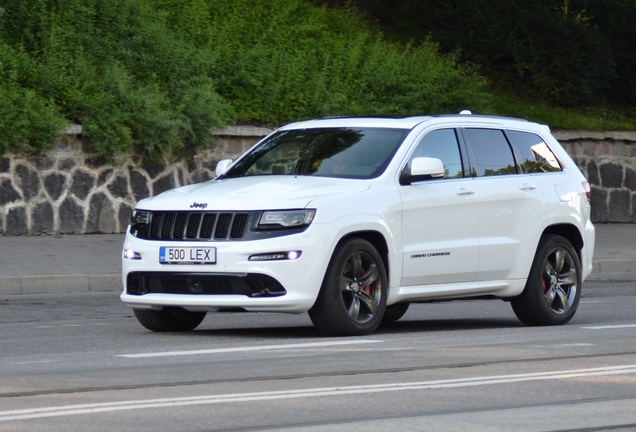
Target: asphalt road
[81, 362]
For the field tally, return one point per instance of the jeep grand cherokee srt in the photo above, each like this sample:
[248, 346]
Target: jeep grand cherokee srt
[353, 219]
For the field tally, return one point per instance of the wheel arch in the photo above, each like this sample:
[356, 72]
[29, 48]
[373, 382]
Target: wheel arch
[570, 232]
[377, 240]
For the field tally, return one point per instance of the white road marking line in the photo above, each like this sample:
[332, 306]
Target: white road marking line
[560, 346]
[59, 411]
[577, 344]
[251, 348]
[72, 325]
[605, 327]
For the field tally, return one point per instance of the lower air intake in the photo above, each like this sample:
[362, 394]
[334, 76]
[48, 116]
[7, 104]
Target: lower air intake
[250, 285]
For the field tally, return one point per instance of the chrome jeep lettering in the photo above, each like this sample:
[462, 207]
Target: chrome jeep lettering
[198, 205]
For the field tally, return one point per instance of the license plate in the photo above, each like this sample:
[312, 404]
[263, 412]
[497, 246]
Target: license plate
[187, 255]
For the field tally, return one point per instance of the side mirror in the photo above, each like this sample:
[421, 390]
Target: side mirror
[222, 166]
[423, 168]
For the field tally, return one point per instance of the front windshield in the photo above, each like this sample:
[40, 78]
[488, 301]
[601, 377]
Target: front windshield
[361, 153]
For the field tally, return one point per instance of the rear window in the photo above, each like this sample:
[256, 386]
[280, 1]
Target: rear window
[533, 153]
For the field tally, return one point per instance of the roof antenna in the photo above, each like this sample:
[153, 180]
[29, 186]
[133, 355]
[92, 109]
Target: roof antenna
[465, 112]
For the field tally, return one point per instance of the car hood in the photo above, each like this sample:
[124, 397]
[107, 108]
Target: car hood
[252, 193]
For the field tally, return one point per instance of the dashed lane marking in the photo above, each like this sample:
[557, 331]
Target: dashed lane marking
[251, 348]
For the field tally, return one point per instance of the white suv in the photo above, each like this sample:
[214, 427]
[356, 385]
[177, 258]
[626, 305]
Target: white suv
[353, 219]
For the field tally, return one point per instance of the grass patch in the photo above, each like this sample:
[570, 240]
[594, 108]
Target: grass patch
[591, 118]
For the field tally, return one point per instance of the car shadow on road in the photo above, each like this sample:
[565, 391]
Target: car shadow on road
[451, 324]
[282, 333]
[287, 333]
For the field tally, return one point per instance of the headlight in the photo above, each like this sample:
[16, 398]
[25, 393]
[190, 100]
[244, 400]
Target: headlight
[286, 219]
[139, 217]
[139, 223]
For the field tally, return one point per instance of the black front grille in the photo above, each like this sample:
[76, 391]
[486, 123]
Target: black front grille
[195, 226]
[251, 285]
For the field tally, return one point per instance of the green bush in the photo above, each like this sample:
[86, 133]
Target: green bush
[115, 68]
[156, 76]
[285, 59]
[28, 122]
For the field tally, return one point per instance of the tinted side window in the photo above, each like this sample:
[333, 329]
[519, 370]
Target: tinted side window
[533, 153]
[441, 144]
[491, 152]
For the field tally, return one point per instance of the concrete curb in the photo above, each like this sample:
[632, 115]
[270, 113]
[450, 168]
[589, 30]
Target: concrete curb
[61, 283]
[614, 265]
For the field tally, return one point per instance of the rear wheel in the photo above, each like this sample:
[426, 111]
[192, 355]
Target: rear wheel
[169, 319]
[353, 295]
[553, 289]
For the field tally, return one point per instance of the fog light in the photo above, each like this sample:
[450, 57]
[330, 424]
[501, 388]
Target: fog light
[276, 256]
[131, 254]
[292, 255]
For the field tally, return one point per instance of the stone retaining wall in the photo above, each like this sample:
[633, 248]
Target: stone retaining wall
[608, 160]
[69, 191]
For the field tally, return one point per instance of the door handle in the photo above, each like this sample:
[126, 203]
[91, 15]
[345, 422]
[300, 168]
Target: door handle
[465, 191]
[527, 186]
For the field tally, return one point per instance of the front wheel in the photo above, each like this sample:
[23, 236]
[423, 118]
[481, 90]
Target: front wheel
[169, 319]
[353, 294]
[395, 312]
[553, 289]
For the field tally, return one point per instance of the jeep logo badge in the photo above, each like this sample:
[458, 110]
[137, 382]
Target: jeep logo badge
[198, 205]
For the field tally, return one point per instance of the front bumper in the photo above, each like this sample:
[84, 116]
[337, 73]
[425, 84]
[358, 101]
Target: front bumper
[233, 282]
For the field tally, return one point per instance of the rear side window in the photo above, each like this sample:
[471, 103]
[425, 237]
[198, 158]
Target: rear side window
[533, 153]
[491, 152]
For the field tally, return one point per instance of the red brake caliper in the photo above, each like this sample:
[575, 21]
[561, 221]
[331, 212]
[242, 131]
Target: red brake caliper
[545, 285]
[366, 288]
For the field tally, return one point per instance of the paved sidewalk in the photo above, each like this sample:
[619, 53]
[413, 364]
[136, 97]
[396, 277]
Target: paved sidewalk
[57, 264]
[91, 262]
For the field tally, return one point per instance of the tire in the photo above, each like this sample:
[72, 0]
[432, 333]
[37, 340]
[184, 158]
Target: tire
[553, 290]
[395, 312]
[169, 319]
[353, 294]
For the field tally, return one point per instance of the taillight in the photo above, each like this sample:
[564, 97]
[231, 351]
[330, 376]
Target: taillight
[588, 189]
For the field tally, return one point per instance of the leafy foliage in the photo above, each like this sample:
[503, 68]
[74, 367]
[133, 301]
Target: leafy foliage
[282, 60]
[155, 76]
[566, 53]
[28, 122]
[115, 68]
